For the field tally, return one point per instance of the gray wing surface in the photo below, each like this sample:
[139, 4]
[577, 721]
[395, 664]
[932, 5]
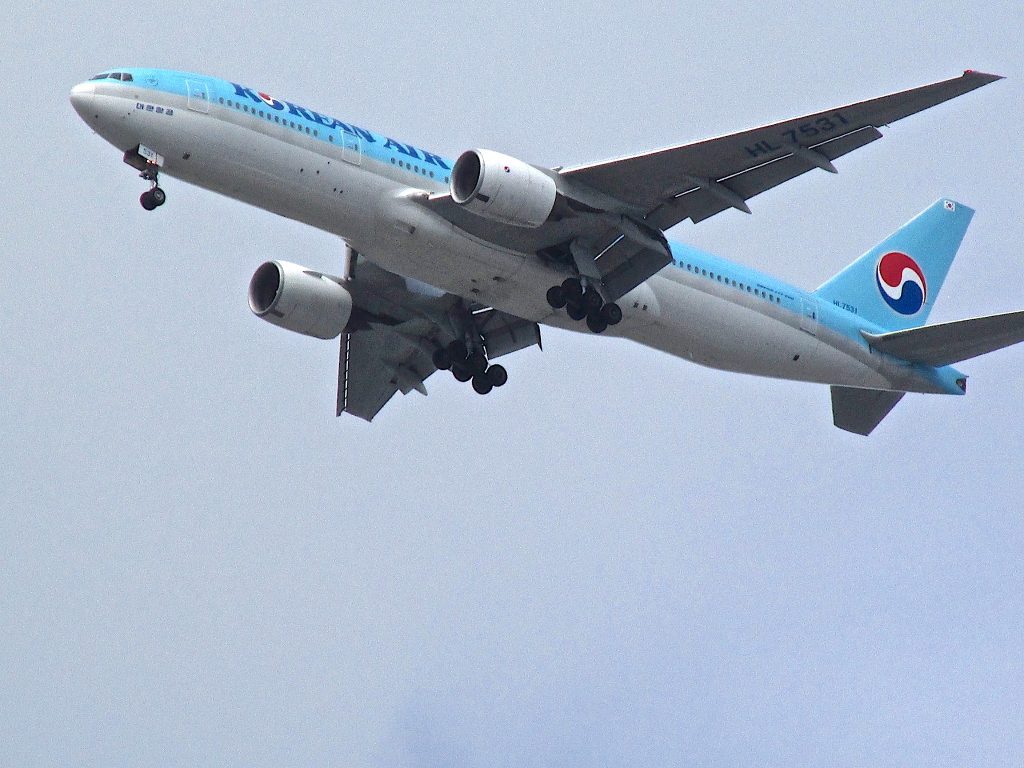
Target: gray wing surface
[696, 181]
[397, 324]
[949, 343]
[861, 410]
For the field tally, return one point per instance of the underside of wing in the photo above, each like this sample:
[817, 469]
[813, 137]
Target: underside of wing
[398, 325]
[949, 343]
[696, 181]
[861, 410]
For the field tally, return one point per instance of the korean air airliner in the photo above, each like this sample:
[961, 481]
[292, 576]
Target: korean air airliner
[451, 264]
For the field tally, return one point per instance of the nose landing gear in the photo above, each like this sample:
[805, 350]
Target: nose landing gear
[584, 303]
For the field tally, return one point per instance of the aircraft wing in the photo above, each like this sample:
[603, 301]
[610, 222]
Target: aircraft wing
[624, 243]
[396, 326]
[696, 181]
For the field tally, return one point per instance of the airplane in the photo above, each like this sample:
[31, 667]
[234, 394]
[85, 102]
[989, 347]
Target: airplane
[450, 265]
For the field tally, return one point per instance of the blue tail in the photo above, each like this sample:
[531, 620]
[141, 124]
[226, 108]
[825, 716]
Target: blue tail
[895, 284]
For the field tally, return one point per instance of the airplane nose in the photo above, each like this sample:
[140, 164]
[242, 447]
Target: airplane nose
[81, 98]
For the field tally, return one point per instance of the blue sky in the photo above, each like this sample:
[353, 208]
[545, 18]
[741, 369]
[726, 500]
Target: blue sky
[620, 559]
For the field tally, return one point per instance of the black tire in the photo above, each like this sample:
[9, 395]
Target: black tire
[497, 375]
[146, 200]
[572, 287]
[158, 195]
[457, 350]
[556, 297]
[611, 314]
[596, 323]
[575, 311]
[477, 363]
[482, 384]
[441, 359]
[592, 300]
[461, 372]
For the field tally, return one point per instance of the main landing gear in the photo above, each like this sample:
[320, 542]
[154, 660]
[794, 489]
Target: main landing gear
[153, 197]
[470, 365]
[585, 304]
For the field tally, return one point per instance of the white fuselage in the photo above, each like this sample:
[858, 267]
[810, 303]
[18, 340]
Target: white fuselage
[373, 206]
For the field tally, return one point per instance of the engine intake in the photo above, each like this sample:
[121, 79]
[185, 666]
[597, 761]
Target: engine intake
[502, 188]
[299, 299]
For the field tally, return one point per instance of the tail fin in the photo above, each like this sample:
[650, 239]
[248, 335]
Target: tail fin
[895, 284]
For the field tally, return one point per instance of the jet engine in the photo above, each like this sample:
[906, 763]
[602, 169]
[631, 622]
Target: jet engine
[299, 299]
[502, 188]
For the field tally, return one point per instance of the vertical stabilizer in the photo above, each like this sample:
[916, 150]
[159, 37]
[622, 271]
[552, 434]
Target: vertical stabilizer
[895, 284]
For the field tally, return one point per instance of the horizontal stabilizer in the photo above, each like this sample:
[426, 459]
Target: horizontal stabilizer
[948, 343]
[860, 410]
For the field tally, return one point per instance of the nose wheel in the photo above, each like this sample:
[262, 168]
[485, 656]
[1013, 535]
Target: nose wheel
[584, 304]
[154, 197]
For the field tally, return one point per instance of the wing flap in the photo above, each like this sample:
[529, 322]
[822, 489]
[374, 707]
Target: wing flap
[698, 204]
[948, 343]
[375, 365]
[861, 410]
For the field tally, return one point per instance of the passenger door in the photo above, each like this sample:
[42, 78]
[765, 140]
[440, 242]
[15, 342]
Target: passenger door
[198, 96]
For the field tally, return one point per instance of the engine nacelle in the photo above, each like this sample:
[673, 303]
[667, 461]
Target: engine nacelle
[299, 299]
[502, 188]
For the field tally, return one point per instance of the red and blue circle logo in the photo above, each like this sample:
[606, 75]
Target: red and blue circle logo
[901, 283]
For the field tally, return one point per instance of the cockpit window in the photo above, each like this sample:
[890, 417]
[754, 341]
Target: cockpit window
[124, 77]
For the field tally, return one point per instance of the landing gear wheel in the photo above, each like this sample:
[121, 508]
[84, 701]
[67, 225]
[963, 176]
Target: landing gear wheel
[147, 201]
[592, 300]
[596, 323]
[441, 359]
[573, 287]
[497, 375]
[482, 384]
[158, 196]
[457, 350]
[477, 363]
[611, 314]
[575, 311]
[556, 297]
[461, 372]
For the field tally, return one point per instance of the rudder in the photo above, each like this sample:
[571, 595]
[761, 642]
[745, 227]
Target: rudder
[895, 284]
